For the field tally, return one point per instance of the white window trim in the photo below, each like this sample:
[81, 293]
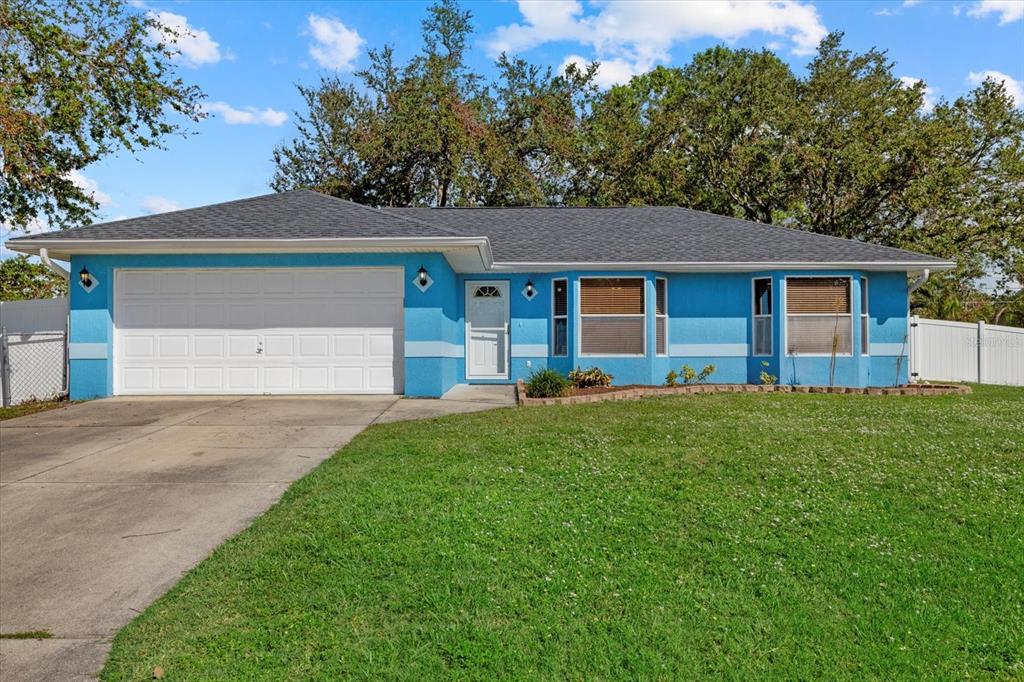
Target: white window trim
[865, 318]
[658, 316]
[754, 317]
[554, 317]
[785, 320]
[580, 316]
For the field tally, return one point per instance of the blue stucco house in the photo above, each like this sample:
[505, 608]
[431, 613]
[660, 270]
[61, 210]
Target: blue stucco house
[300, 292]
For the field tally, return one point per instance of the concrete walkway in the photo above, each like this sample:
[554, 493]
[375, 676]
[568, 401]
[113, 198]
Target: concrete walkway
[105, 504]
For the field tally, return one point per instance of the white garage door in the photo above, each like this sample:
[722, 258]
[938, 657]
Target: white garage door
[269, 330]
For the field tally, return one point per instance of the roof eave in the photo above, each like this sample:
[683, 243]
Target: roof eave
[727, 266]
[63, 249]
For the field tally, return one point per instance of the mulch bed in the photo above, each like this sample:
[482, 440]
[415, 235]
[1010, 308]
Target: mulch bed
[635, 391]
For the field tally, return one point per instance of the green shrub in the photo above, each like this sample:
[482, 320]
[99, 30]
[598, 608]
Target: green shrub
[692, 376]
[587, 378]
[547, 383]
[672, 378]
[766, 378]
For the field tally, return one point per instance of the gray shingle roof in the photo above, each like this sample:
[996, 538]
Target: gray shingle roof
[299, 214]
[646, 234]
[517, 235]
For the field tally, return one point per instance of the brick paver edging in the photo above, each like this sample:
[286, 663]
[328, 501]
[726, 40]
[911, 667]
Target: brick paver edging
[643, 392]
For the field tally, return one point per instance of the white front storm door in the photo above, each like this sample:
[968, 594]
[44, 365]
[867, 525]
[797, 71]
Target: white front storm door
[487, 317]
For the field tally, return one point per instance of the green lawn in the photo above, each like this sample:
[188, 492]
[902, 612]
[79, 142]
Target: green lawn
[732, 535]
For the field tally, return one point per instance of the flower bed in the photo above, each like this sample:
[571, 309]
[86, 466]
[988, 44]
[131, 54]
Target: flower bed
[633, 392]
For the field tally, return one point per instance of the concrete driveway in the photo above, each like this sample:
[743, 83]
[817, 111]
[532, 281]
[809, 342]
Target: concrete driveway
[103, 505]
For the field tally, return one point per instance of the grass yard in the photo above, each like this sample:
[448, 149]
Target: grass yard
[736, 535]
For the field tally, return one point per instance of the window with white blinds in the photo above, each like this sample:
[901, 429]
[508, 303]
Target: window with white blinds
[819, 319]
[612, 316]
[661, 316]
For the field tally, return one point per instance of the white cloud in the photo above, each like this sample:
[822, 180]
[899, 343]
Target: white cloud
[631, 36]
[156, 204]
[1014, 87]
[886, 12]
[929, 93]
[195, 46]
[911, 3]
[1008, 10]
[610, 71]
[247, 116]
[336, 46]
[90, 187]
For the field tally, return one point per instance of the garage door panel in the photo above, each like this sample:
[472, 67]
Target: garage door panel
[209, 379]
[139, 378]
[243, 379]
[243, 346]
[279, 345]
[349, 379]
[245, 316]
[279, 378]
[172, 378]
[313, 345]
[173, 346]
[209, 346]
[272, 330]
[174, 282]
[139, 346]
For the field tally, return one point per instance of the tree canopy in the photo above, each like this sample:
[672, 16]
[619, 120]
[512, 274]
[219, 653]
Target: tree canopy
[23, 280]
[79, 79]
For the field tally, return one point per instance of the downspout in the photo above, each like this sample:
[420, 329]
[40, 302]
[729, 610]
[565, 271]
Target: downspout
[56, 269]
[921, 279]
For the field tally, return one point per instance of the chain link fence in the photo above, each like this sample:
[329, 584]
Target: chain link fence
[33, 366]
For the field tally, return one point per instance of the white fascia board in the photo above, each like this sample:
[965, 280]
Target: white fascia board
[727, 266]
[64, 248]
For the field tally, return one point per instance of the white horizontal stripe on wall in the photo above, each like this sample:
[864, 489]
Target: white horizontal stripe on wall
[432, 349]
[708, 350]
[529, 350]
[87, 351]
[889, 349]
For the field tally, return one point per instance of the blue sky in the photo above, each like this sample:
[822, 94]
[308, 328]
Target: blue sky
[247, 57]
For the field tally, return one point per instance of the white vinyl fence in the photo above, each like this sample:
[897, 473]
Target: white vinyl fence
[33, 350]
[963, 351]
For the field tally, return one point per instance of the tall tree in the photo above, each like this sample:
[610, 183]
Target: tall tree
[431, 132]
[79, 79]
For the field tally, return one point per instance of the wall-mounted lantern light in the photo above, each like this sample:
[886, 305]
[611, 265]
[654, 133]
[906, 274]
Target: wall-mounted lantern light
[86, 280]
[423, 280]
[529, 291]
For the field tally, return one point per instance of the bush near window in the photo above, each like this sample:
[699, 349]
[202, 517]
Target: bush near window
[692, 376]
[587, 378]
[547, 383]
[672, 378]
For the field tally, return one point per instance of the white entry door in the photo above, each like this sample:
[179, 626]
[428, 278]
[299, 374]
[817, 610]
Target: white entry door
[253, 331]
[487, 317]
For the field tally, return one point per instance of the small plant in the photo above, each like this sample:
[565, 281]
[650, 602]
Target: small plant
[547, 383]
[692, 376]
[672, 378]
[588, 378]
[705, 373]
[766, 378]
[689, 374]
